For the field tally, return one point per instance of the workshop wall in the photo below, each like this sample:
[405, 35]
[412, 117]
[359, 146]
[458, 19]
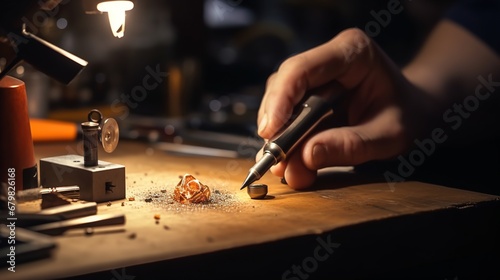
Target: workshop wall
[206, 62]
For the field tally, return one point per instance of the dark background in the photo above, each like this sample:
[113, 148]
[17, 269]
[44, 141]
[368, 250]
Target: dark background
[220, 51]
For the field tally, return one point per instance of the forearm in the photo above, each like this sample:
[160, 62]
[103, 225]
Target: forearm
[451, 58]
[460, 75]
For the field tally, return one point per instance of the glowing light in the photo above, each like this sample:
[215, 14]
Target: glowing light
[20, 70]
[62, 23]
[116, 13]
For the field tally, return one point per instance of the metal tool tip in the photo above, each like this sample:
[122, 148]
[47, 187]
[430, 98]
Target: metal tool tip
[248, 180]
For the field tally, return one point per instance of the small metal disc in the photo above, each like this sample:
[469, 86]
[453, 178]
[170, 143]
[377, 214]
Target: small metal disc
[109, 135]
[257, 191]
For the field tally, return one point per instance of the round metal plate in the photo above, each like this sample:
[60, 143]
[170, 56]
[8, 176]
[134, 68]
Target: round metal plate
[110, 135]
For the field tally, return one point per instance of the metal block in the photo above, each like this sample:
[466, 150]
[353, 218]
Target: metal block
[101, 183]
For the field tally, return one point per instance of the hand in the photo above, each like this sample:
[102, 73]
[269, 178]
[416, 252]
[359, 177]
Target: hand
[375, 110]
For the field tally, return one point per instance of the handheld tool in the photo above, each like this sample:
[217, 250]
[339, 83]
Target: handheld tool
[316, 107]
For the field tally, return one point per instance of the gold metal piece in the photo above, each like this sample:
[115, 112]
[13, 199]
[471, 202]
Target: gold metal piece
[191, 190]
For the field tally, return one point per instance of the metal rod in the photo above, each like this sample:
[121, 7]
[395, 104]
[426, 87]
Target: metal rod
[90, 142]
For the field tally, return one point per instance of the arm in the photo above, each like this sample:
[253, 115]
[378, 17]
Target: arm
[386, 108]
[451, 53]
[453, 67]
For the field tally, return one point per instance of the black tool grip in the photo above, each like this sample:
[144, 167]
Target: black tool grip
[318, 105]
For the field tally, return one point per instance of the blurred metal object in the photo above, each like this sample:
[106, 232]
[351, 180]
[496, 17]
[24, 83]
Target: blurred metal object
[37, 193]
[58, 228]
[109, 135]
[90, 139]
[71, 211]
[98, 130]
[53, 214]
[44, 56]
[192, 150]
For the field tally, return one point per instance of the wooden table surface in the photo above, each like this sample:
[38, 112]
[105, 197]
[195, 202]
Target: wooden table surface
[368, 222]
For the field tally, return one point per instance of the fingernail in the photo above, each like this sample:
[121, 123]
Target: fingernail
[319, 153]
[262, 125]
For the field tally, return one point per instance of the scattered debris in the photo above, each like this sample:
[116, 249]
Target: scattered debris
[109, 203]
[159, 197]
[133, 235]
[123, 203]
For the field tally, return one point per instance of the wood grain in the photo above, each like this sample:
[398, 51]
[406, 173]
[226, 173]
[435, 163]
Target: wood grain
[341, 200]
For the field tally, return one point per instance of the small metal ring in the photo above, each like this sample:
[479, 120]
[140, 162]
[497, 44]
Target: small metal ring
[92, 113]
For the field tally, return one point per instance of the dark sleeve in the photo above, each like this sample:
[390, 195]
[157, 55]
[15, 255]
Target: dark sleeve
[480, 17]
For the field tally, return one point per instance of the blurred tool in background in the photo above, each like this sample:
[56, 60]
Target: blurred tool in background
[206, 60]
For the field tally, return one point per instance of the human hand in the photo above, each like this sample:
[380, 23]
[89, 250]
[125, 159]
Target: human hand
[380, 107]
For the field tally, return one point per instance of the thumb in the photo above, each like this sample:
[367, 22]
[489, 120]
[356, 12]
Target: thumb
[381, 138]
[334, 147]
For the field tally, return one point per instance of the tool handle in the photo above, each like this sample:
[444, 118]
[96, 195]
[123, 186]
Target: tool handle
[315, 108]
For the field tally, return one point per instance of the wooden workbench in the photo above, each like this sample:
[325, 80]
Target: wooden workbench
[369, 227]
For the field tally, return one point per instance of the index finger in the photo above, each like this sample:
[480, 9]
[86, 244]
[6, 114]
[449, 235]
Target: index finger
[346, 58]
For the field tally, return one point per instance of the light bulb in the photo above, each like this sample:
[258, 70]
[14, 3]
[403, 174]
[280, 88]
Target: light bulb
[116, 13]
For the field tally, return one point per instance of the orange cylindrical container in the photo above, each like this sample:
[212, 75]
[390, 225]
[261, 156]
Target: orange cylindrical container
[18, 167]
